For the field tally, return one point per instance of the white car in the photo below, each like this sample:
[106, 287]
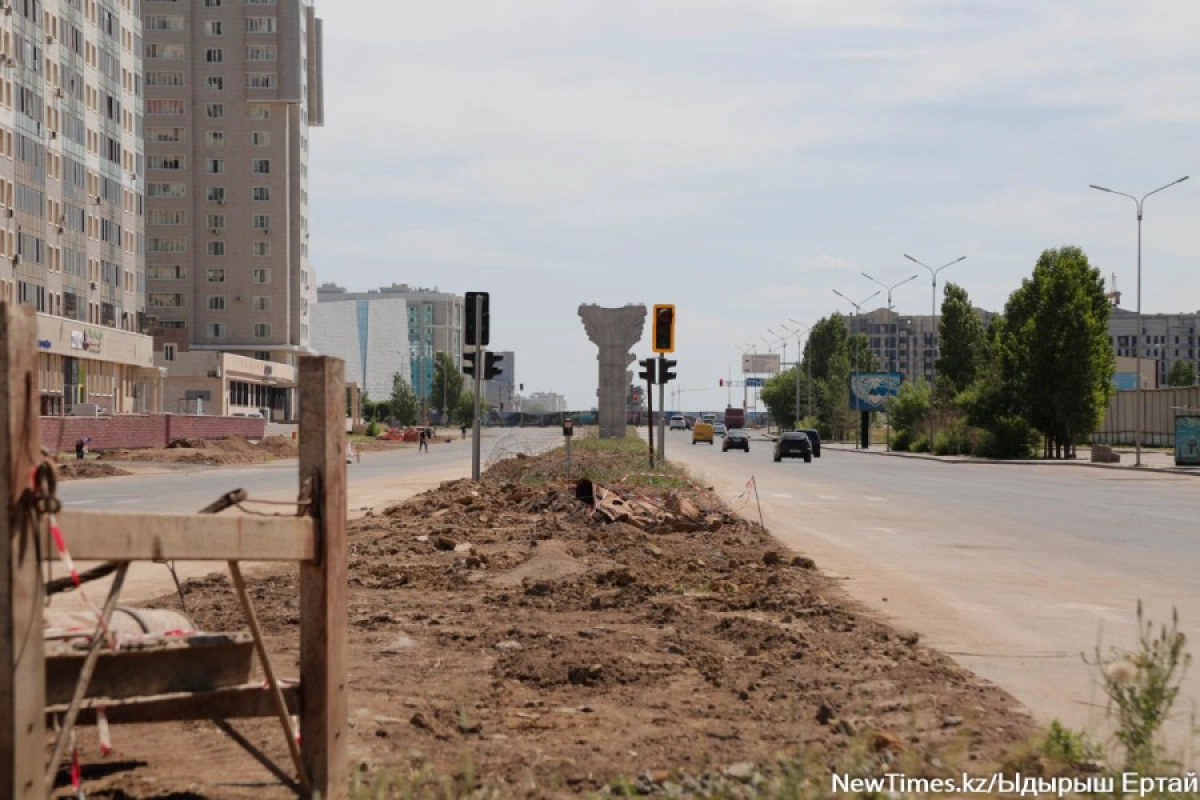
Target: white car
[719, 428]
[677, 422]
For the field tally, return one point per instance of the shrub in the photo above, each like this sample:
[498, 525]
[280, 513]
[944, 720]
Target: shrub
[1008, 437]
[372, 429]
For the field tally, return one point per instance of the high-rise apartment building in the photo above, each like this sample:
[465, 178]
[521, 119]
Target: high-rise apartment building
[232, 88]
[71, 206]
[903, 343]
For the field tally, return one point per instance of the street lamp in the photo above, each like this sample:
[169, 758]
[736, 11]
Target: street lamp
[895, 344]
[807, 361]
[857, 306]
[1137, 339]
[933, 273]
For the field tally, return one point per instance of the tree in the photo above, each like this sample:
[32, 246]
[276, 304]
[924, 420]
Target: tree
[1054, 350]
[779, 396]
[861, 357]
[1182, 374]
[447, 384]
[464, 407]
[403, 403]
[960, 333]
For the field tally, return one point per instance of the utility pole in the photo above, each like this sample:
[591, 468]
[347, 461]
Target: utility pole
[479, 369]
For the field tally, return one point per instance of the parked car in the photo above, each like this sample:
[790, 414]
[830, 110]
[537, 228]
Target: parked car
[793, 444]
[719, 428]
[736, 439]
[702, 432]
[677, 422]
[814, 438]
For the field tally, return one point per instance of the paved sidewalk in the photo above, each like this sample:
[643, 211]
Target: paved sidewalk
[1156, 460]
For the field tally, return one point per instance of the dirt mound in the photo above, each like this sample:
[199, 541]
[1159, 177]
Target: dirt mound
[209, 452]
[555, 649]
[71, 470]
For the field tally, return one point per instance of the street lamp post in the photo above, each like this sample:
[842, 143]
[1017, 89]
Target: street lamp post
[808, 363]
[895, 344]
[1137, 339]
[933, 273]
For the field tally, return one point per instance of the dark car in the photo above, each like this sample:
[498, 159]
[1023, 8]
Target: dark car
[793, 444]
[736, 439]
[814, 439]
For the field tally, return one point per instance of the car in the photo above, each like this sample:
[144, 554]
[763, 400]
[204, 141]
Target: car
[719, 428]
[736, 439]
[793, 444]
[702, 432]
[815, 439]
[677, 422]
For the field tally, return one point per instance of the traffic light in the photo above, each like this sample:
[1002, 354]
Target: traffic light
[469, 364]
[471, 334]
[666, 376]
[647, 373]
[664, 328]
[491, 365]
[721, 381]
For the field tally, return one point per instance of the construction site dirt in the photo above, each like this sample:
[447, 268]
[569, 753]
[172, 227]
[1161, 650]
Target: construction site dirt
[524, 636]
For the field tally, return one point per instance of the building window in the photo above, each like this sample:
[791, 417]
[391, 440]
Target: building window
[164, 134]
[216, 276]
[216, 330]
[261, 275]
[216, 194]
[163, 78]
[260, 52]
[259, 111]
[166, 272]
[168, 352]
[163, 22]
[214, 138]
[215, 82]
[214, 55]
[216, 248]
[262, 222]
[165, 189]
[214, 166]
[212, 3]
[216, 221]
[262, 330]
[213, 27]
[261, 248]
[261, 166]
[164, 162]
[260, 80]
[262, 303]
[262, 192]
[214, 110]
[162, 50]
[260, 24]
[216, 302]
[260, 138]
[165, 106]
[164, 300]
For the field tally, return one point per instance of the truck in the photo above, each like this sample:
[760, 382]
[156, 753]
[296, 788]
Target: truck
[735, 417]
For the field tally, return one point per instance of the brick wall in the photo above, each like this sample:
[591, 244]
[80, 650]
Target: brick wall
[59, 434]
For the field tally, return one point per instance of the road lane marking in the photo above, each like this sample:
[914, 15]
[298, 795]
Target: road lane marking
[784, 496]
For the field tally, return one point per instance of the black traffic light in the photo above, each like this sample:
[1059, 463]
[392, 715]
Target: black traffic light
[469, 364]
[665, 375]
[471, 334]
[664, 328]
[491, 365]
[647, 373]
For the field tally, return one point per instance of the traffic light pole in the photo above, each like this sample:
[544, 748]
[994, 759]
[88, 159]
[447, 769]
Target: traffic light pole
[479, 369]
[650, 419]
[662, 410]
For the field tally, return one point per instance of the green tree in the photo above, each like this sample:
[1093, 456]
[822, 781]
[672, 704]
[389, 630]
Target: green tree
[403, 404]
[447, 385]
[961, 340]
[464, 408]
[1182, 374]
[861, 357]
[779, 396]
[1054, 350]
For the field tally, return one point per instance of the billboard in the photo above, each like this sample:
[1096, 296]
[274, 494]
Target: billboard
[1124, 381]
[760, 363]
[870, 391]
[1187, 441]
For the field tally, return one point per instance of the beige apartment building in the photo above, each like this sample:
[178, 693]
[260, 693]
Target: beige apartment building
[71, 206]
[232, 88]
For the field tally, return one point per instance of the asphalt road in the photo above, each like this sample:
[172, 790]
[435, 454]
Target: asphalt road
[1016, 571]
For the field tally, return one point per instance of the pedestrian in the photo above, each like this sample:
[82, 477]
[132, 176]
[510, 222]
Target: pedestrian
[350, 452]
[423, 440]
[464, 430]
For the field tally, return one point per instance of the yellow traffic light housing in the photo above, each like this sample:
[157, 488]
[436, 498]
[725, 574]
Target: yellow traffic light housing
[663, 335]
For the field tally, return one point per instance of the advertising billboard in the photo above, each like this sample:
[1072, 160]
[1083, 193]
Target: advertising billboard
[760, 364]
[870, 391]
[1187, 441]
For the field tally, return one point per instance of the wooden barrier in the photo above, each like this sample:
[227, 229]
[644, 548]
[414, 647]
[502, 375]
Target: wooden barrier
[316, 541]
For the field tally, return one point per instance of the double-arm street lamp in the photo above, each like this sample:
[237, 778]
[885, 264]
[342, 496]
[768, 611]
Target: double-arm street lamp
[933, 273]
[1137, 339]
[807, 361]
[895, 343]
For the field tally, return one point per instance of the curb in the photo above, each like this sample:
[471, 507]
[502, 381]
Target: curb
[1026, 462]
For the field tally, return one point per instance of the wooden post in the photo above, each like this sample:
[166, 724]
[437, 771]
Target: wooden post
[22, 689]
[323, 723]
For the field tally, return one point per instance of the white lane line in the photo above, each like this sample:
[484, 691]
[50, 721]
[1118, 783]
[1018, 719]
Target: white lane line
[873, 499]
[784, 496]
[883, 530]
[827, 497]
[78, 502]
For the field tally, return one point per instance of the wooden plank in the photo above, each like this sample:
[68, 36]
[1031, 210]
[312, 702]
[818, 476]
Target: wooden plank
[237, 702]
[121, 536]
[22, 691]
[323, 611]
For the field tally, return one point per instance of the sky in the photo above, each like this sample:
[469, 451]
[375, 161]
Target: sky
[742, 159]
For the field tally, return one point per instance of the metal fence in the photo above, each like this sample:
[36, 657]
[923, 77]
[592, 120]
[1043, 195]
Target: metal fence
[1161, 406]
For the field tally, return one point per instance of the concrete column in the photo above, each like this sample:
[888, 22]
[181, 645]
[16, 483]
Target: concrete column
[614, 331]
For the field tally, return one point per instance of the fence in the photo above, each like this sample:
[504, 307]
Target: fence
[1160, 406]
